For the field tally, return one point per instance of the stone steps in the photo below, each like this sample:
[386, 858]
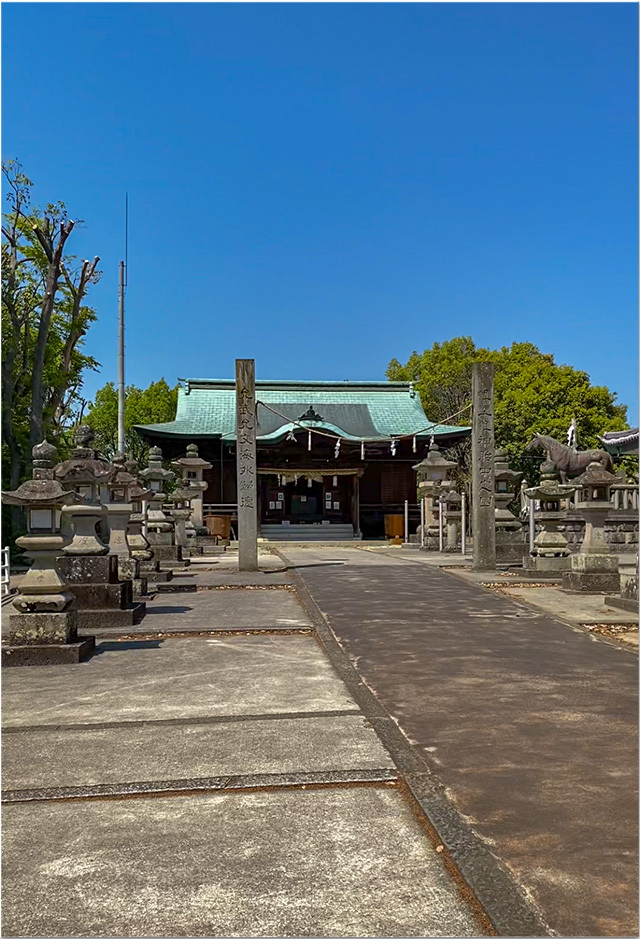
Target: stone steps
[337, 532]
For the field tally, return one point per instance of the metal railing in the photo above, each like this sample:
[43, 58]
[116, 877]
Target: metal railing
[5, 573]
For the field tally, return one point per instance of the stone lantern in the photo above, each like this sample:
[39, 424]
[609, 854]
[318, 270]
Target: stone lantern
[181, 513]
[551, 554]
[594, 569]
[451, 504]
[138, 544]
[192, 469]
[161, 528]
[87, 474]
[141, 550]
[45, 629]
[119, 508]
[509, 534]
[103, 597]
[433, 477]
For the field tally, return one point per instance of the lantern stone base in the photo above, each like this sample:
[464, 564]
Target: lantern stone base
[129, 569]
[38, 628]
[154, 577]
[170, 554]
[111, 619]
[509, 547]
[575, 582]
[622, 603]
[45, 639]
[86, 569]
[102, 600]
[56, 654]
[592, 573]
[536, 567]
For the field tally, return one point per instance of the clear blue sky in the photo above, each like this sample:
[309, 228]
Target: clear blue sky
[327, 186]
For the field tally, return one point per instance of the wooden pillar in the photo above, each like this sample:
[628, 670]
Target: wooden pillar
[483, 451]
[356, 505]
[246, 465]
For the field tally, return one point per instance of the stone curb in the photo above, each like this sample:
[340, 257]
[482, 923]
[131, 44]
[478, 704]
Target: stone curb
[235, 783]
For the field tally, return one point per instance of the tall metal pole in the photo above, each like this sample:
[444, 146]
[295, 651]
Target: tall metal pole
[121, 286]
[121, 360]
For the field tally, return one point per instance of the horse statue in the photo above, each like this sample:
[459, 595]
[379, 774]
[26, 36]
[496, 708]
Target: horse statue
[568, 462]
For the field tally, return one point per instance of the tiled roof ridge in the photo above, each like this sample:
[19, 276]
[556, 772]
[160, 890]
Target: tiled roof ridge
[269, 383]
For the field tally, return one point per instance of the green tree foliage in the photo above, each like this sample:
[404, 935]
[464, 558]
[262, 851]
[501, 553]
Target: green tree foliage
[533, 394]
[153, 405]
[44, 323]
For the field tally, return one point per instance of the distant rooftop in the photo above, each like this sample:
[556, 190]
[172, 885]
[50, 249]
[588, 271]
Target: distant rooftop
[355, 411]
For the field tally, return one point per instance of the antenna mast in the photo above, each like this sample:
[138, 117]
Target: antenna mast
[121, 288]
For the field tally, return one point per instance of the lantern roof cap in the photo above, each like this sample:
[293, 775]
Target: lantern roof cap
[434, 458]
[192, 460]
[44, 454]
[40, 492]
[596, 475]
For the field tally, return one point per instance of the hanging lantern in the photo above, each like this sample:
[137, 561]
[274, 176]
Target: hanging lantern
[362, 450]
[309, 482]
[309, 441]
[335, 482]
[415, 448]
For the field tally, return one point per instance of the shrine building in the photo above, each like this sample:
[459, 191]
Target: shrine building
[334, 454]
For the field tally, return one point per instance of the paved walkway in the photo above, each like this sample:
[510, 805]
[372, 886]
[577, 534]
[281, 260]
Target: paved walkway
[220, 785]
[530, 724]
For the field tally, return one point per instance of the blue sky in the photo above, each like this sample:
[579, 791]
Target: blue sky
[326, 186]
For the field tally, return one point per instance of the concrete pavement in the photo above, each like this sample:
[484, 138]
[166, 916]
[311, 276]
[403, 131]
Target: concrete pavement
[211, 786]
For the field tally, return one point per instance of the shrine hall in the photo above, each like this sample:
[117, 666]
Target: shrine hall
[333, 454]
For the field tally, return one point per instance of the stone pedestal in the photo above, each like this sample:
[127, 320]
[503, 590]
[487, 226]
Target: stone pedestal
[102, 600]
[45, 639]
[118, 515]
[168, 554]
[592, 574]
[509, 547]
[129, 569]
[551, 555]
[628, 597]
[83, 521]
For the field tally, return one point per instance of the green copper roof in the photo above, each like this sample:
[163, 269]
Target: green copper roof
[353, 410]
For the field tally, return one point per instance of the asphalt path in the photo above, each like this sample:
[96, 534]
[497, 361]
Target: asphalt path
[530, 724]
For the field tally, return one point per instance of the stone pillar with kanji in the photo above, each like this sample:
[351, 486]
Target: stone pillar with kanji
[246, 465]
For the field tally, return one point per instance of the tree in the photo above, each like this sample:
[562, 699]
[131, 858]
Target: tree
[533, 394]
[44, 322]
[153, 405]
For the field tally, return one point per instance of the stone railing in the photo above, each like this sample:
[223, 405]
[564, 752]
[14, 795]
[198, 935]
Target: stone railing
[624, 497]
[620, 527]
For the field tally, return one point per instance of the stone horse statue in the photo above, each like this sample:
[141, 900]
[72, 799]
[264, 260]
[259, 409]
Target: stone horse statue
[568, 462]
